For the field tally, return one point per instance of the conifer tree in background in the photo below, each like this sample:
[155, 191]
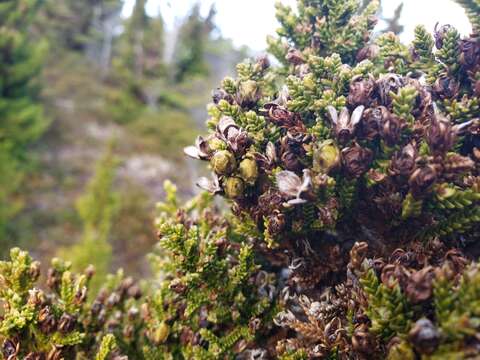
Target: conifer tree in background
[394, 23]
[138, 61]
[21, 116]
[96, 208]
[193, 37]
[140, 49]
[70, 24]
[105, 22]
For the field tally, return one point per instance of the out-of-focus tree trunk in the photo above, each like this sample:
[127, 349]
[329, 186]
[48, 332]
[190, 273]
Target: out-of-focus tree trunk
[105, 20]
[393, 23]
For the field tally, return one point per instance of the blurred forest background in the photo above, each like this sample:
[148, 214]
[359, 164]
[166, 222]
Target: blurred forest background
[93, 118]
[94, 113]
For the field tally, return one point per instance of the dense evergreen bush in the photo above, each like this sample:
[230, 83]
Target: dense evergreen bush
[351, 171]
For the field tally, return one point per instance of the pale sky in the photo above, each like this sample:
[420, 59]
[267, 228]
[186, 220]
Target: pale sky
[248, 22]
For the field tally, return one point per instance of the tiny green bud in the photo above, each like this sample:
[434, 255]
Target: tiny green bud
[234, 187]
[309, 82]
[326, 157]
[161, 333]
[223, 162]
[249, 92]
[34, 270]
[15, 252]
[444, 192]
[248, 88]
[217, 144]
[249, 171]
[401, 351]
[411, 207]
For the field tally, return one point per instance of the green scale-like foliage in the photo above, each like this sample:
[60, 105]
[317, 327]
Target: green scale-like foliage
[387, 307]
[326, 27]
[60, 323]
[195, 258]
[385, 304]
[208, 297]
[353, 138]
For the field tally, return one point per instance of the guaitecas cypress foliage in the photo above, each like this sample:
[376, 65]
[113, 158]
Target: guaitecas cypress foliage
[366, 135]
[21, 115]
[472, 8]
[351, 171]
[59, 323]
